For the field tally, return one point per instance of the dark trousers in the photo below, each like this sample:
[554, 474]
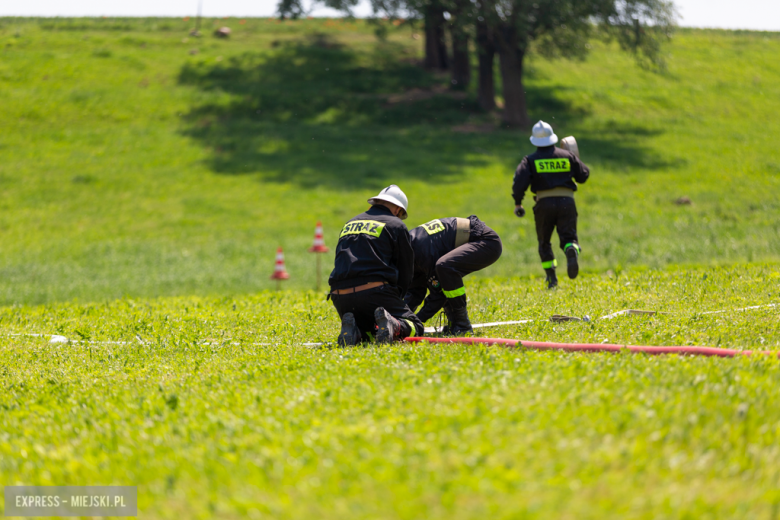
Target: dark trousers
[480, 252]
[551, 213]
[362, 304]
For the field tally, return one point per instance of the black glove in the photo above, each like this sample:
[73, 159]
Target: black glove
[520, 211]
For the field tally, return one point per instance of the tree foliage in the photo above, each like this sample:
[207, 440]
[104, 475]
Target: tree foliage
[510, 28]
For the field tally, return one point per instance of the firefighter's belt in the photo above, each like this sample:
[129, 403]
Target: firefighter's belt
[364, 287]
[463, 232]
[555, 192]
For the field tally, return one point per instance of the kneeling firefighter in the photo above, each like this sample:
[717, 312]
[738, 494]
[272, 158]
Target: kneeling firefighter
[446, 250]
[374, 267]
[551, 172]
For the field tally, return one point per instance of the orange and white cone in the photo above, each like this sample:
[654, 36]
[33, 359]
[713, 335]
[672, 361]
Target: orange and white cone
[280, 273]
[319, 241]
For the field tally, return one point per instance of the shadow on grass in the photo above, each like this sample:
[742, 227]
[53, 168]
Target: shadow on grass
[622, 151]
[316, 113]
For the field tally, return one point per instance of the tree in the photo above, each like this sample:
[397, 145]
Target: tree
[435, 44]
[461, 23]
[486, 52]
[562, 28]
[437, 16]
[510, 28]
[290, 9]
[297, 9]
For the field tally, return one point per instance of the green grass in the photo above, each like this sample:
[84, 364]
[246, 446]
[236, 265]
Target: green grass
[222, 412]
[130, 167]
[144, 188]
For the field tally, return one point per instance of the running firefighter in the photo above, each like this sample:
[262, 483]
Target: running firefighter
[551, 173]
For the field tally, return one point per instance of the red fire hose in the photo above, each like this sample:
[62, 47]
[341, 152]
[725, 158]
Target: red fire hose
[594, 347]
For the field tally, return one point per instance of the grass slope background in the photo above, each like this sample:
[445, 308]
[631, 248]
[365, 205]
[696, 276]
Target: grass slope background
[138, 161]
[131, 165]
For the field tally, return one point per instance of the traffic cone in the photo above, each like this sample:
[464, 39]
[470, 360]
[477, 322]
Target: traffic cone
[319, 242]
[280, 273]
[318, 247]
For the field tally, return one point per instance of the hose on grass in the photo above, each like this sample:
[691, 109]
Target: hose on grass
[537, 345]
[594, 347]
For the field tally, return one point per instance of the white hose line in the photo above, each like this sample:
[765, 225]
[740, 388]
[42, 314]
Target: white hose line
[630, 312]
[634, 312]
[56, 338]
[481, 325]
[743, 309]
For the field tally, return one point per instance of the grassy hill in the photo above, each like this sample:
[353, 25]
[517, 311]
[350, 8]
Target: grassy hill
[137, 160]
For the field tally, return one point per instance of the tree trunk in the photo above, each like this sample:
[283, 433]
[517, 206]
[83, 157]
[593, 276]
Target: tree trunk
[461, 67]
[435, 46]
[511, 58]
[459, 23]
[486, 51]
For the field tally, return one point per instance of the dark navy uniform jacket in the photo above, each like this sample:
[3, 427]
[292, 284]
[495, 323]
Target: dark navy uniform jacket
[373, 247]
[432, 241]
[547, 168]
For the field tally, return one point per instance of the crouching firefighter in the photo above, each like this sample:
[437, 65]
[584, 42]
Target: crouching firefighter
[446, 250]
[551, 172]
[374, 267]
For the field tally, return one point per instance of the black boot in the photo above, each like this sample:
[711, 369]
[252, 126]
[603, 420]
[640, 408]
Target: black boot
[350, 334]
[572, 254]
[458, 321]
[388, 329]
[445, 330]
[552, 280]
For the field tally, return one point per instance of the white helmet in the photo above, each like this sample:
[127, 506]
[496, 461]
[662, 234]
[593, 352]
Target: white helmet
[394, 195]
[542, 135]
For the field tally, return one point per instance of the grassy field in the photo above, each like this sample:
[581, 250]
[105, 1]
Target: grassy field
[214, 408]
[137, 161]
[147, 177]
